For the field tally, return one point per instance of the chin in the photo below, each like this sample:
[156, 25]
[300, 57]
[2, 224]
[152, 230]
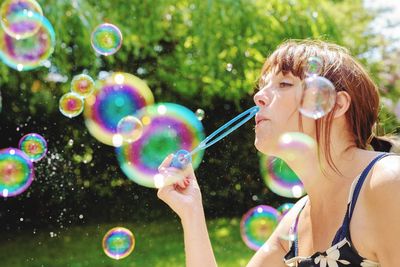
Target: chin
[265, 146]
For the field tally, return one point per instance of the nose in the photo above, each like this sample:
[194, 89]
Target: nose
[260, 99]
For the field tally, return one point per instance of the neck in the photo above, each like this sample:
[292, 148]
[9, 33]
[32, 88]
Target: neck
[323, 184]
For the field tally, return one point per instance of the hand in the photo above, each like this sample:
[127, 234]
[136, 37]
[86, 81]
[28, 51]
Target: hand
[183, 197]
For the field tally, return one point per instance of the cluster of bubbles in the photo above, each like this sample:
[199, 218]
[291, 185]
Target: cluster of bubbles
[27, 38]
[71, 104]
[118, 243]
[168, 127]
[121, 113]
[16, 165]
[318, 94]
[115, 97]
[259, 222]
[106, 39]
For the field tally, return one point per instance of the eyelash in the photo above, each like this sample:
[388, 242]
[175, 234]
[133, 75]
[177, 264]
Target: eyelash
[284, 84]
[281, 85]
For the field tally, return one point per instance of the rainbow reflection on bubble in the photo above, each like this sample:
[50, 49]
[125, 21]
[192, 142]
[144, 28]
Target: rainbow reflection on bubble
[257, 225]
[117, 96]
[314, 66]
[16, 18]
[71, 105]
[295, 144]
[34, 146]
[106, 39]
[118, 243]
[283, 210]
[280, 178]
[82, 85]
[318, 97]
[28, 53]
[16, 172]
[167, 127]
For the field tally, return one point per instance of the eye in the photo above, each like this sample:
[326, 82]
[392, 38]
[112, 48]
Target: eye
[284, 84]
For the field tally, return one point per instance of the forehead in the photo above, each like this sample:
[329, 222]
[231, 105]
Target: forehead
[276, 74]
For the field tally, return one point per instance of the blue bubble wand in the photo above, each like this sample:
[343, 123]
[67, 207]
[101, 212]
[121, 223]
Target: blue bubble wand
[183, 157]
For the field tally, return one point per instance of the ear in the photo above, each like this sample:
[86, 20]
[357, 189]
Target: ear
[343, 101]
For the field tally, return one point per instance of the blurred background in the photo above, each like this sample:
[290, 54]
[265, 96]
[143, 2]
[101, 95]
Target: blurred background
[199, 54]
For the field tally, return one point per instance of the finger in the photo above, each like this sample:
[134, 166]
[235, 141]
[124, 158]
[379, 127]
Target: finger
[189, 172]
[165, 191]
[181, 183]
[166, 162]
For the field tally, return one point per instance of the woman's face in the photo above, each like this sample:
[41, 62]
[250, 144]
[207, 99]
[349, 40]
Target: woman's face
[278, 102]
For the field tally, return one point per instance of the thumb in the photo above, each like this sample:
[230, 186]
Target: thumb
[166, 162]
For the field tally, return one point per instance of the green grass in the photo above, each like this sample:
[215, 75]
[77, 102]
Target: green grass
[158, 244]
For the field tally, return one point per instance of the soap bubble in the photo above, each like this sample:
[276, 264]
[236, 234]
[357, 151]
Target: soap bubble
[82, 85]
[16, 172]
[279, 178]
[200, 114]
[314, 66]
[257, 225]
[31, 52]
[118, 243]
[130, 128]
[16, 18]
[318, 97]
[34, 146]
[71, 105]
[106, 39]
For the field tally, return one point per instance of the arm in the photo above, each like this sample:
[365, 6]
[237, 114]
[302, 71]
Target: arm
[198, 247]
[383, 198]
[185, 199]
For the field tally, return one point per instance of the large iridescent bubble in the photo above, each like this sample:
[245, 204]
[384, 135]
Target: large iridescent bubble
[16, 18]
[34, 146]
[16, 172]
[117, 96]
[257, 225]
[167, 127]
[294, 145]
[28, 53]
[280, 178]
[118, 243]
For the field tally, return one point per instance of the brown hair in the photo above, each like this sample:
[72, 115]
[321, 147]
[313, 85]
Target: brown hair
[346, 74]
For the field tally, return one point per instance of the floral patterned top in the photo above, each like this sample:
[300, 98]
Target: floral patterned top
[342, 252]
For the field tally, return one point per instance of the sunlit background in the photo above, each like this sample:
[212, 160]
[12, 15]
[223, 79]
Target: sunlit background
[95, 94]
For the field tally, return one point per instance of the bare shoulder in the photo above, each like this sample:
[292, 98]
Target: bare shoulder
[385, 177]
[382, 193]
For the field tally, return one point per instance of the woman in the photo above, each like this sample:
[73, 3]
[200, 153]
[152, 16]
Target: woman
[327, 230]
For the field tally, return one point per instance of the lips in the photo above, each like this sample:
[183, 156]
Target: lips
[260, 119]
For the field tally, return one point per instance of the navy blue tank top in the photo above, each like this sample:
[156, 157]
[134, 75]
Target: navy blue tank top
[342, 252]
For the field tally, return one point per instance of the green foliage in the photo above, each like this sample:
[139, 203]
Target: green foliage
[201, 54]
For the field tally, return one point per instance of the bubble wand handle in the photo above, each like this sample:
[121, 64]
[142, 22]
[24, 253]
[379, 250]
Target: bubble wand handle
[183, 157]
